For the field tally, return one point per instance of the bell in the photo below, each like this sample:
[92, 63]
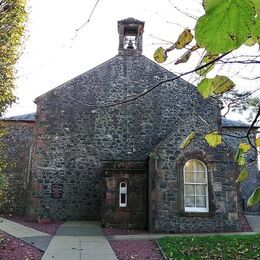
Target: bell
[130, 45]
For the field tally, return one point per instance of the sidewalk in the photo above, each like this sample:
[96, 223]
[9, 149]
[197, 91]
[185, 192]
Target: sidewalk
[254, 222]
[79, 240]
[29, 235]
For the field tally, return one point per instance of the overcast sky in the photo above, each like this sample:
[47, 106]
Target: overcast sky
[54, 53]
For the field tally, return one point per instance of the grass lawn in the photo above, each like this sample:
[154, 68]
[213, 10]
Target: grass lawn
[212, 247]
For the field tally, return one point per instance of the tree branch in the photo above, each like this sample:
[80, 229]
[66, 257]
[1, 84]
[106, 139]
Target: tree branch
[185, 13]
[158, 84]
[91, 13]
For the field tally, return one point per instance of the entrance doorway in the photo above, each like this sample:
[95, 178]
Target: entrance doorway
[125, 194]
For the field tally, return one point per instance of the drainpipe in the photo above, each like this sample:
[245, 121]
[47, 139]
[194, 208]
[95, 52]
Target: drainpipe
[29, 164]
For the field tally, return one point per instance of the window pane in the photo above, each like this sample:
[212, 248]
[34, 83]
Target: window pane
[123, 198]
[200, 190]
[189, 166]
[200, 177]
[189, 177]
[190, 189]
[189, 201]
[201, 201]
[198, 166]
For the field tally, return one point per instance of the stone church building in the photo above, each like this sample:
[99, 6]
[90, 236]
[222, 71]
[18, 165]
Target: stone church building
[96, 151]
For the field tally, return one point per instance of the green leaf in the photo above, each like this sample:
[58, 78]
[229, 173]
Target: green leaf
[245, 147]
[213, 139]
[217, 85]
[243, 175]
[222, 84]
[254, 198]
[256, 30]
[184, 38]
[187, 140]
[206, 59]
[160, 55]
[208, 4]
[205, 87]
[255, 34]
[257, 6]
[250, 42]
[240, 158]
[225, 26]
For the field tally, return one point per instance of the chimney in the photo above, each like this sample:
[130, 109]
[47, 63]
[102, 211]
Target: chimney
[130, 36]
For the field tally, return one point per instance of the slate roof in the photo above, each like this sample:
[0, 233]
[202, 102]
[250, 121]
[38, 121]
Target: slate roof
[225, 122]
[24, 117]
[130, 20]
[233, 123]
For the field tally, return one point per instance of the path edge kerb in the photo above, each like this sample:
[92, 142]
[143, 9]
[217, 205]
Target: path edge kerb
[158, 236]
[161, 250]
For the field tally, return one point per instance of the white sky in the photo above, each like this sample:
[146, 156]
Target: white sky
[50, 56]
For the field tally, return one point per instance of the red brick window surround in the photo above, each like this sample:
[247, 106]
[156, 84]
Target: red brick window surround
[122, 194]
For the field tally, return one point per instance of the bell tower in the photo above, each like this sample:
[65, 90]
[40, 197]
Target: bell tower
[130, 36]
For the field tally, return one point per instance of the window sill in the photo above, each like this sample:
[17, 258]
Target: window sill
[122, 209]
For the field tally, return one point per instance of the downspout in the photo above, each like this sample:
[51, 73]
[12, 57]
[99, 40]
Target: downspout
[29, 165]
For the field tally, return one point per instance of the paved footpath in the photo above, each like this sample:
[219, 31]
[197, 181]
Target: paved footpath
[254, 222]
[79, 240]
[34, 237]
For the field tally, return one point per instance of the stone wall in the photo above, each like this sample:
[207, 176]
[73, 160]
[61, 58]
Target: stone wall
[166, 184]
[76, 130]
[253, 180]
[16, 150]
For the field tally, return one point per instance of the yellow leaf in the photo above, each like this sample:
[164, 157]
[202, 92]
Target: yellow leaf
[243, 175]
[206, 59]
[222, 84]
[160, 55]
[195, 47]
[187, 140]
[241, 160]
[245, 147]
[184, 38]
[257, 141]
[214, 139]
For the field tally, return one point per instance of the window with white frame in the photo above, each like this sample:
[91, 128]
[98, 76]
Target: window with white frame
[122, 194]
[195, 186]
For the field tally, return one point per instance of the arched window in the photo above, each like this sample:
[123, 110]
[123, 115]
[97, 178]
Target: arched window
[122, 194]
[195, 186]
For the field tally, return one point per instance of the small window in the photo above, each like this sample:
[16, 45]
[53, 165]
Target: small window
[122, 194]
[195, 186]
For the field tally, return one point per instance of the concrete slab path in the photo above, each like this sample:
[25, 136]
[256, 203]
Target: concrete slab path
[34, 237]
[254, 222]
[79, 240]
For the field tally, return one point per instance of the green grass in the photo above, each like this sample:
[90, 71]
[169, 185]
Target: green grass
[212, 247]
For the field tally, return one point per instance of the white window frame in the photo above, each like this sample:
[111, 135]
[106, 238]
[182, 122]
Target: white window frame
[197, 209]
[122, 190]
